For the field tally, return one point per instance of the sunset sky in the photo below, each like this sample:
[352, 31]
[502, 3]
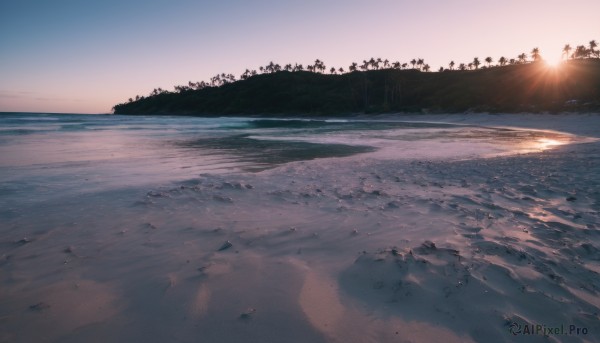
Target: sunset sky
[80, 56]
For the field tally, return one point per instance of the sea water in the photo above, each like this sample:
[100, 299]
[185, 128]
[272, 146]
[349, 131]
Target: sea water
[58, 154]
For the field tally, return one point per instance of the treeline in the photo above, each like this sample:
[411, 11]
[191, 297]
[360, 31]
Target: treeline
[380, 85]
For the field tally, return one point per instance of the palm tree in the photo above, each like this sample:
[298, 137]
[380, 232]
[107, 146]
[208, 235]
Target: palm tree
[386, 63]
[353, 67]
[332, 70]
[341, 70]
[470, 65]
[581, 52]
[488, 60]
[451, 65]
[413, 62]
[566, 50]
[404, 65]
[426, 67]
[420, 63]
[522, 58]
[502, 61]
[441, 69]
[593, 45]
[476, 62]
[462, 66]
[535, 54]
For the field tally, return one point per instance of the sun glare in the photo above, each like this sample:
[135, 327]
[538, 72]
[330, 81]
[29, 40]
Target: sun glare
[553, 63]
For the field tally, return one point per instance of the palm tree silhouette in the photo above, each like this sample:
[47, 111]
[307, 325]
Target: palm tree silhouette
[476, 62]
[593, 45]
[502, 61]
[451, 65]
[413, 62]
[488, 60]
[566, 50]
[353, 67]
[522, 58]
[420, 63]
[535, 54]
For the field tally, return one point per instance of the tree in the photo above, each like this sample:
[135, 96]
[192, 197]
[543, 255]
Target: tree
[535, 54]
[593, 45]
[462, 66]
[502, 61]
[488, 60]
[566, 50]
[441, 69]
[420, 63]
[426, 67]
[580, 52]
[353, 67]
[341, 70]
[451, 65]
[522, 58]
[386, 63]
[332, 70]
[413, 62]
[470, 65]
[476, 62]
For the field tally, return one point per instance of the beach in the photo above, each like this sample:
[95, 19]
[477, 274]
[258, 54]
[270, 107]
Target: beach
[459, 242]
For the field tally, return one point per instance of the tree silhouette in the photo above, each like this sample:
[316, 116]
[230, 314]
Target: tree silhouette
[502, 61]
[488, 60]
[332, 70]
[566, 50]
[522, 58]
[580, 52]
[413, 62]
[476, 62]
[451, 65]
[420, 63]
[426, 67]
[353, 67]
[462, 66]
[594, 45]
[535, 54]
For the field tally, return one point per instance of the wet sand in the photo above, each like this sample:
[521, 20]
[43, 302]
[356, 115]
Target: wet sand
[352, 249]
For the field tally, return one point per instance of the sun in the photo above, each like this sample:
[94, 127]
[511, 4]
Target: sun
[553, 63]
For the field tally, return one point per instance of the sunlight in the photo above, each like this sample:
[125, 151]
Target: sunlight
[547, 143]
[553, 63]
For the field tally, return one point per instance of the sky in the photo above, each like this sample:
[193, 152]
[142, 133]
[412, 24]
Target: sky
[85, 56]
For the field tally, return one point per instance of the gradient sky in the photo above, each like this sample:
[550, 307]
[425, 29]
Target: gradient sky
[78, 56]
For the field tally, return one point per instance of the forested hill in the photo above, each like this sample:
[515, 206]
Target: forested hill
[532, 87]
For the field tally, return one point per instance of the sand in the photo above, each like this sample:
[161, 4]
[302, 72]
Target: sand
[353, 249]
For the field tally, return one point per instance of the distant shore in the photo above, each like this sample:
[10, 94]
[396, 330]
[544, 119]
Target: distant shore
[535, 87]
